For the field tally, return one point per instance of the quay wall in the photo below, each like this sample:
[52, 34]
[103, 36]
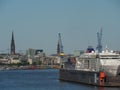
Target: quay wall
[89, 77]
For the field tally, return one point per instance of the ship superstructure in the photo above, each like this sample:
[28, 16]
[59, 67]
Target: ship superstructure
[95, 67]
[107, 61]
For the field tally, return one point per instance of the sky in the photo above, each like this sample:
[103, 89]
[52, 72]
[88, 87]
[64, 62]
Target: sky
[36, 24]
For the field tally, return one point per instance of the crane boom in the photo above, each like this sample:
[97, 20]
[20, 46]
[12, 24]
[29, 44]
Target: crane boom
[99, 36]
[59, 46]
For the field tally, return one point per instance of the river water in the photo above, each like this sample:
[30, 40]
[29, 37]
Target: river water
[46, 79]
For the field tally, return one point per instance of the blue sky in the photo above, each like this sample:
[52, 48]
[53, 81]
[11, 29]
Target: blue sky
[36, 24]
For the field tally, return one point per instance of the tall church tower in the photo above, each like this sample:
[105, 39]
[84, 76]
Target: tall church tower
[12, 45]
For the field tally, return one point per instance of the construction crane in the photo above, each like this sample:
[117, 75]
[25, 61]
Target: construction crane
[60, 46]
[99, 36]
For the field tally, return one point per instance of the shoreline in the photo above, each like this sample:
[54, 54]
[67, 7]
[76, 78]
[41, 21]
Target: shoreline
[29, 67]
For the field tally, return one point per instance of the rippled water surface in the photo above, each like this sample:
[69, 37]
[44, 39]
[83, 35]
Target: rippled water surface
[39, 80]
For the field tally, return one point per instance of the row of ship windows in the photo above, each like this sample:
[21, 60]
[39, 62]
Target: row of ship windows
[109, 58]
[101, 58]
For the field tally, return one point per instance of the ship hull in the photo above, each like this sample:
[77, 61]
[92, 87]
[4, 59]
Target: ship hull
[89, 77]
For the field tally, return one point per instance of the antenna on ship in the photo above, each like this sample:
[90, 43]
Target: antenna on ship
[99, 36]
[59, 46]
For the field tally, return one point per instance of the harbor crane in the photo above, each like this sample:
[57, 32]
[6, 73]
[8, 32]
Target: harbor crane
[59, 45]
[99, 36]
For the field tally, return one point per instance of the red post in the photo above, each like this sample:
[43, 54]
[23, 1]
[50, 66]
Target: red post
[101, 77]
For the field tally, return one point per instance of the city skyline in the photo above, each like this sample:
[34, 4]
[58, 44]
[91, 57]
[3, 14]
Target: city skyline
[36, 24]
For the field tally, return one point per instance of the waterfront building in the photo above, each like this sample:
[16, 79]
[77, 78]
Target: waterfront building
[35, 56]
[38, 51]
[15, 60]
[30, 52]
[39, 57]
[34, 52]
[4, 59]
[30, 61]
[78, 52]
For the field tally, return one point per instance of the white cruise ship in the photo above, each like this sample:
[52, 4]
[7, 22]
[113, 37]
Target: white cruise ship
[107, 61]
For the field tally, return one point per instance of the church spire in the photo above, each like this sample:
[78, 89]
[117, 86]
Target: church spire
[59, 45]
[12, 45]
